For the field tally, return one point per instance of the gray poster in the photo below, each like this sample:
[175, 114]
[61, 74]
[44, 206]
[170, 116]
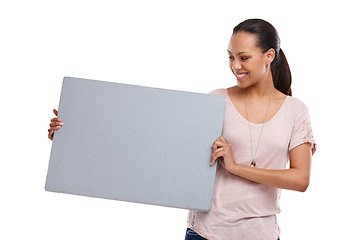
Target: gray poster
[137, 144]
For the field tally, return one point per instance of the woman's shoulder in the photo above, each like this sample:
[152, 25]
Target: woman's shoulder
[296, 103]
[296, 108]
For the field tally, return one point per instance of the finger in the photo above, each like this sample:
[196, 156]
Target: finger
[55, 112]
[55, 124]
[220, 143]
[216, 151]
[212, 161]
[55, 120]
[216, 156]
[214, 146]
[54, 128]
[51, 135]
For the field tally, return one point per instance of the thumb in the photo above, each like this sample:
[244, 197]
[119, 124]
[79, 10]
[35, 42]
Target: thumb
[55, 111]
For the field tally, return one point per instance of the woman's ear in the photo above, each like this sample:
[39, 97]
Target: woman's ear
[270, 56]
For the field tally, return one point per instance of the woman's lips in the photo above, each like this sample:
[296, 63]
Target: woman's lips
[241, 76]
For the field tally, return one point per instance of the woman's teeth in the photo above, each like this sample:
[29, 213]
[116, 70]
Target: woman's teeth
[240, 76]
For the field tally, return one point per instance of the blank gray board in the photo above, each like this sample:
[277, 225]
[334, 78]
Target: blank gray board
[136, 144]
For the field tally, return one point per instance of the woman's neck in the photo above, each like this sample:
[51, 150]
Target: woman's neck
[258, 92]
[262, 89]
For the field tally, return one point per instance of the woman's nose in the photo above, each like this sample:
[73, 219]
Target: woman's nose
[236, 65]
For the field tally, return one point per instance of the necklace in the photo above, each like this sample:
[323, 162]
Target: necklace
[253, 156]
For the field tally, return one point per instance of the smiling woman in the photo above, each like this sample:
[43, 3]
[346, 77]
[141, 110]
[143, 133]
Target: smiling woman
[264, 129]
[267, 39]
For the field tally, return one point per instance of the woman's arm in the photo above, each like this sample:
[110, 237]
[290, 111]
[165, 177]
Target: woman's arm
[296, 178]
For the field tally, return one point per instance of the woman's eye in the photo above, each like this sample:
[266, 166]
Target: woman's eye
[242, 58]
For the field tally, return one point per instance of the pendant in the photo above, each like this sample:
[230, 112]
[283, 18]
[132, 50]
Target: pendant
[253, 164]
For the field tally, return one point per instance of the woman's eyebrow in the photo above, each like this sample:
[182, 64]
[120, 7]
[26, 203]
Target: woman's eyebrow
[237, 53]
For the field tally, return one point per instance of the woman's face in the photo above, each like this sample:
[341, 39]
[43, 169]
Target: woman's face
[247, 61]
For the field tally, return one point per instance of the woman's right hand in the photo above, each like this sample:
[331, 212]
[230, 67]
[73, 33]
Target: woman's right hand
[55, 124]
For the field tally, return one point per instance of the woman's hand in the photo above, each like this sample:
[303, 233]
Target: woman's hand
[221, 150]
[54, 125]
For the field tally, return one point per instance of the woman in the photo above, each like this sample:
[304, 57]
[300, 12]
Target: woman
[264, 128]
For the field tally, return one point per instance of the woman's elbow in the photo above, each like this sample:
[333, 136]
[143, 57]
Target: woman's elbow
[303, 188]
[302, 185]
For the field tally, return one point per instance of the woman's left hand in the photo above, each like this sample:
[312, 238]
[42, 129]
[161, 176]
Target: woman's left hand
[221, 150]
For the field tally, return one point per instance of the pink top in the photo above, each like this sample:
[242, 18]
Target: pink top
[242, 209]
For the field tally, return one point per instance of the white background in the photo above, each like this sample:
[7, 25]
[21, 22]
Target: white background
[176, 45]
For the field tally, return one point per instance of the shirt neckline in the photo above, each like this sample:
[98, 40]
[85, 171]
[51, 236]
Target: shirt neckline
[244, 119]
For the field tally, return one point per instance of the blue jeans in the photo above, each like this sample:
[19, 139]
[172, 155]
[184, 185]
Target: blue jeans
[192, 235]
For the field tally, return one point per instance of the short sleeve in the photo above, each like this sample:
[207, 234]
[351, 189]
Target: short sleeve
[302, 132]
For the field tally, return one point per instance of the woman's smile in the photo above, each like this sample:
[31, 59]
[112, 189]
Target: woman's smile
[241, 76]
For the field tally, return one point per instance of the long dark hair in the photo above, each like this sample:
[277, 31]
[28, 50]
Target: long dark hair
[268, 38]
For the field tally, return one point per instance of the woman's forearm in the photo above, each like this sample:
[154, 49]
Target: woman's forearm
[292, 179]
[296, 178]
